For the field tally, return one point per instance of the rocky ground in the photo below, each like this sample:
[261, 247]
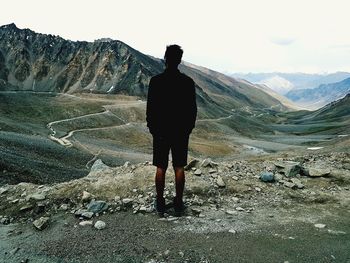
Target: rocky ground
[263, 209]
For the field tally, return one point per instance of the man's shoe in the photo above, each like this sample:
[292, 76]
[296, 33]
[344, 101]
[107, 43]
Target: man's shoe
[159, 206]
[179, 207]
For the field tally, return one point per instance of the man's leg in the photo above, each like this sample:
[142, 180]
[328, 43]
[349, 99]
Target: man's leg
[179, 183]
[160, 182]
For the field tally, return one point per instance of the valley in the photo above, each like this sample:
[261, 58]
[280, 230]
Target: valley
[266, 181]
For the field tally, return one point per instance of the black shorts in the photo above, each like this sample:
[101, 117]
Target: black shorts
[178, 146]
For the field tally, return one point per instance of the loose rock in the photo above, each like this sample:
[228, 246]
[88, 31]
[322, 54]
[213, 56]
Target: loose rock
[41, 223]
[97, 206]
[318, 172]
[100, 225]
[267, 177]
[220, 182]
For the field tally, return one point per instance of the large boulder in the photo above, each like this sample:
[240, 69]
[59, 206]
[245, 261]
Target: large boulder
[97, 206]
[99, 166]
[288, 168]
[318, 172]
[267, 177]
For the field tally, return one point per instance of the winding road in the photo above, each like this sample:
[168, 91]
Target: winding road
[64, 140]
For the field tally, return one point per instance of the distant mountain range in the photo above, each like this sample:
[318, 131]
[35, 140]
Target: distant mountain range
[320, 96]
[40, 62]
[282, 83]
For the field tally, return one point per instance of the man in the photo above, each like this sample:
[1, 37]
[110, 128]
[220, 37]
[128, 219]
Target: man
[171, 115]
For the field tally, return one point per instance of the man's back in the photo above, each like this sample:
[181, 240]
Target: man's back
[171, 105]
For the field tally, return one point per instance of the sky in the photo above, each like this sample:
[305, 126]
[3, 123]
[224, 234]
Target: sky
[225, 35]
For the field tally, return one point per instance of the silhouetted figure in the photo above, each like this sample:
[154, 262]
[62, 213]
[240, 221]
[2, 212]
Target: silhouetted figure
[171, 115]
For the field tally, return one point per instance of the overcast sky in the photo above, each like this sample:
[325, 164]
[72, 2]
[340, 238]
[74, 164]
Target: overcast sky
[229, 36]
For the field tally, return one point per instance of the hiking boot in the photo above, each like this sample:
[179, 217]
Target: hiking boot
[179, 207]
[159, 205]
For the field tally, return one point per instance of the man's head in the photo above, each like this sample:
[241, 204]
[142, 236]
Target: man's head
[172, 56]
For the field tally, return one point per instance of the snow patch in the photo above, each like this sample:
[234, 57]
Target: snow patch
[110, 89]
[278, 84]
[314, 148]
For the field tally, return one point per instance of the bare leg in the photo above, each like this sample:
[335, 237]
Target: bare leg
[160, 181]
[179, 182]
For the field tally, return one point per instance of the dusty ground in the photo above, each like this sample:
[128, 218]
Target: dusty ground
[241, 220]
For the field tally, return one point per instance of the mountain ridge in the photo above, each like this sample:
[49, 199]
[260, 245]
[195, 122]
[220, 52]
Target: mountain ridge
[322, 95]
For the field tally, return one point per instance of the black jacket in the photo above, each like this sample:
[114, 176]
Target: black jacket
[171, 104]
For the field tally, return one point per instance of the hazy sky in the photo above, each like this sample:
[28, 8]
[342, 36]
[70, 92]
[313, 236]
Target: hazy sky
[231, 36]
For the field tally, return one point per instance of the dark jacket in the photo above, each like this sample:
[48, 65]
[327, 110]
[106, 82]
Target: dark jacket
[171, 104]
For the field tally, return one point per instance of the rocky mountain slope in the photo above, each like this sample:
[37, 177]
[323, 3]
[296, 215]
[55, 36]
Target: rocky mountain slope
[321, 95]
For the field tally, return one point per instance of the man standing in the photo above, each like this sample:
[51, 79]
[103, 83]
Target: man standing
[171, 115]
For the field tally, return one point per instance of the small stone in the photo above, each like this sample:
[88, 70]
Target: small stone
[298, 183]
[86, 196]
[41, 223]
[239, 208]
[192, 164]
[198, 172]
[235, 178]
[64, 207]
[206, 162]
[37, 197]
[320, 225]
[14, 251]
[3, 190]
[86, 223]
[127, 201]
[232, 231]
[100, 225]
[79, 212]
[196, 211]
[336, 232]
[212, 170]
[235, 199]
[181, 254]
[4, 221]
[220, 182]
[289, 184]
[278, 177]
[87, 215]
[258, 189]
[318, 172]
[231, 212]
[26, 207]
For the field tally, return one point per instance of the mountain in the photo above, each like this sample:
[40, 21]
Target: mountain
[47, 63]
[320, 96]
[278, 84]
[287, 102]
[39, 62]
[338, 110]
[282, 82]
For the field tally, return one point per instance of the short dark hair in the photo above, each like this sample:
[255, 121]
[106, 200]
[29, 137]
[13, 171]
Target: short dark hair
[173, 54]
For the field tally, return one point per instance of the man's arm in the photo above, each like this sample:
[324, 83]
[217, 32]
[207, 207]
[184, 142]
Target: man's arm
[192, 107]
[150, 106]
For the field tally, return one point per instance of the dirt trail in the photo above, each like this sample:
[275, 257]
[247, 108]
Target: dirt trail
[64, 139]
